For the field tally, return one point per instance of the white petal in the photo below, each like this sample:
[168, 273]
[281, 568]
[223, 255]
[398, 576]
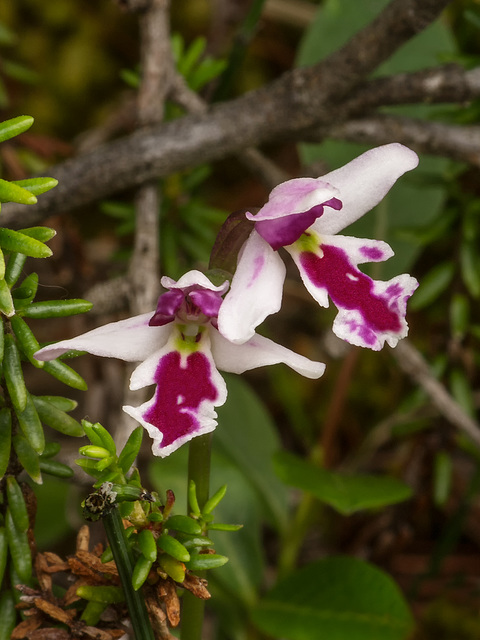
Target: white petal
[363, 182]
[132, 340]
[191, 279]
[259, 352]
[255, 292]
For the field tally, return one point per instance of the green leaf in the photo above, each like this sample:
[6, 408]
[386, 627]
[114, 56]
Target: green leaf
[459, 315]
[131, 449]
[470, 265]
[57, 419]
[173, 547]
[6, 301]
[204, 561]
[184, 524]
[14, 127]
[433, 284]
[12, 369]
[5, 439]
[19, 549]
[8, 614]
[336, 598]
[442, 477]
[17, 506]
[248, 438]
[14, 268]
[140, 572]
[461, 388]
[26, 340]
[42, 234]
[26, 292]
[18, 242]
[27, 457]
[65, 374]
[55, 468]
[64, 404]
[345, 493]
[56, 308]
[107, 595]
[37, 186]
[174, 568]
[147, 544]
[31, 426]
[107, 440]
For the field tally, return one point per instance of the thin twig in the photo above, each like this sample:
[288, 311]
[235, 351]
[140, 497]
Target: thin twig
[414, 365]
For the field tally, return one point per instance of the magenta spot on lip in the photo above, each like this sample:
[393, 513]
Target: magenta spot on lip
[334, 272]
[257, 270]
[372, 253]
[180, 392]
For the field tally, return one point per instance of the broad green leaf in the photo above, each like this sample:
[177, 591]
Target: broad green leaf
[14, 127]
[247, 436]
[336, 598]
[345, 493]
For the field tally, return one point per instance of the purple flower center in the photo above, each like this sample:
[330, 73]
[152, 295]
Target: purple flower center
[287, 229]
[194, 305]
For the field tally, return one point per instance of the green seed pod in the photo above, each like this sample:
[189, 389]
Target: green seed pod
[184, 524]
[147, 545]
[26, 340]
[5, 439]
[6, 302]
[140, 572]
[65, 374]
[27, 457]
[173, 547]
[57, 419]
[8, 615]
[14, 268]
[31, 426]
[14, 127]
[131, 449]
[174, 568]
[105, 595]
[203, 561]
[17, 506]
[92, 451]
[3, 552]
[12, 369]
[19, 549]
[57, 308]
[55, 468]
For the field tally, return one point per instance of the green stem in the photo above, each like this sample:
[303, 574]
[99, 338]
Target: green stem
[296, 534]
[199, 456]
[122, 554]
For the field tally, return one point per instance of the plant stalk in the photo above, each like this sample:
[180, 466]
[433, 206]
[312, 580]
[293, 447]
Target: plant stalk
[122, 554]
[199, 457]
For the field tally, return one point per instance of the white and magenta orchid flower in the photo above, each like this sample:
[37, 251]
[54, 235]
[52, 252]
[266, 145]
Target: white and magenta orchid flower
[180, 349]
[304, 215]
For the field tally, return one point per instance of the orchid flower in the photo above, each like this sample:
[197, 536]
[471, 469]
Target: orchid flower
[180, 349]
[304, 215]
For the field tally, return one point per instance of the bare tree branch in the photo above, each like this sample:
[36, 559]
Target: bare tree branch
[301, 99]
[434, 138]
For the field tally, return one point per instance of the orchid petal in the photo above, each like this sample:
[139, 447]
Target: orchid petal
[370, 312]
[193, 279]
[168, 305]
[295, 196]
[259, 352]
[363, 182]
[131, 340]
[207, 301]
[188, 388]
[255, 291]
